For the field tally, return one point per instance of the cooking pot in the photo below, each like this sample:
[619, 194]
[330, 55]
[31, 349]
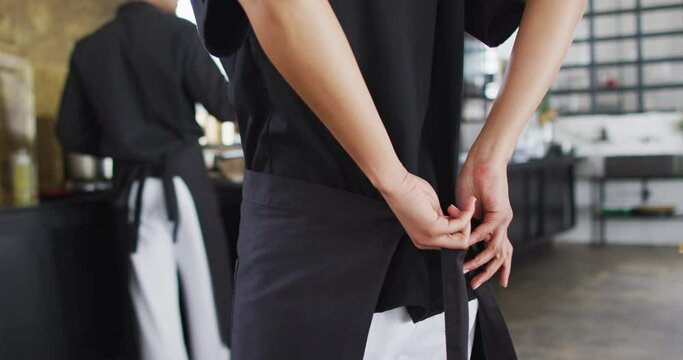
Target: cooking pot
[83, 167]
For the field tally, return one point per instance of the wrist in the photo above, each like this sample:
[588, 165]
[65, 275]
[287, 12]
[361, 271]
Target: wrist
[387, 179]
[488, 155]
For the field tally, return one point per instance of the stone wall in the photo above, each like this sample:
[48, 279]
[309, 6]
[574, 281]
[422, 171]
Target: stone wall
[44, 33]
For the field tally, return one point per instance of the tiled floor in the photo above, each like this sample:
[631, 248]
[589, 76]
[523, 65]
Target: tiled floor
[578, 302]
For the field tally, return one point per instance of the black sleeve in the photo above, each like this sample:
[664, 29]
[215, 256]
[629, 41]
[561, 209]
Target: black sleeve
[222, 25]
[203, 81]
[77, 128]
[493, 21]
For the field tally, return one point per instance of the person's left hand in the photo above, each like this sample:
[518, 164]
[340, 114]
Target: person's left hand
[488, 183]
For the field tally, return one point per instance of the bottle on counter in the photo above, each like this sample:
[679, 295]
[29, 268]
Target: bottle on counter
[23, 179]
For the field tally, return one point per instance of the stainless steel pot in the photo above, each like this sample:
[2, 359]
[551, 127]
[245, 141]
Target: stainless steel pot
[82, 167]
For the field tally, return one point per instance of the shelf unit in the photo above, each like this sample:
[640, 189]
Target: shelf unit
[634, 94]
[599, 219]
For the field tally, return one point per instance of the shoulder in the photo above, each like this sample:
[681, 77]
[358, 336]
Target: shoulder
[103, 35]
[180, 25]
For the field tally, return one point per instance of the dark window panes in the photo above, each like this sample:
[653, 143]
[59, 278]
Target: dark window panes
[618, 50]
[663, 46]
[663, 100]
[663, 73]
[615, 25]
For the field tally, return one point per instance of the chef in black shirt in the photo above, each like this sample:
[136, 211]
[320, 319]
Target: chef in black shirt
[131, 94]
[349, 112]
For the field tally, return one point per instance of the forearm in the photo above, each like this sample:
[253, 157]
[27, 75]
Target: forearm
[544, 36]
[305, 42]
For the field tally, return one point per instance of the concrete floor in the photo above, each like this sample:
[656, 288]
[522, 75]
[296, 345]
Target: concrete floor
[578, 302]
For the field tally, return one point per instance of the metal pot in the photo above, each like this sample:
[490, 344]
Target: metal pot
[82, 167]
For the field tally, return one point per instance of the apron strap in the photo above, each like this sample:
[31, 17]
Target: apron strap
[140, 174]
[137, 211]
[455, 299]
[171, 200]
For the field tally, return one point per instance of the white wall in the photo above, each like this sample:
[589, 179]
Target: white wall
[632, 134]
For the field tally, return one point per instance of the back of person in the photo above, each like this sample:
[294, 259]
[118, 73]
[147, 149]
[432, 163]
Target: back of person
[132, 71]
[131, 95]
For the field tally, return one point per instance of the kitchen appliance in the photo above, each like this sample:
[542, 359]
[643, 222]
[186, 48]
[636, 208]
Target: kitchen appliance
[225, 162]
[88, 173]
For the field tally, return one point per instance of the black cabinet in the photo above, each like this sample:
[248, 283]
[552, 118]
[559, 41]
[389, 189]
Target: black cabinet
[542, 198]
[62, 278]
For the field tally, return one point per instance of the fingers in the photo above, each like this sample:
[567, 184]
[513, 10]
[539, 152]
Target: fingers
[442, 236]
[459, 223]
[501, 261]
[450, 233]
[493, 222]
[481, 259]
[494, 249]
[507, 265]
[461, 219]
[490, 269]
[457, 241]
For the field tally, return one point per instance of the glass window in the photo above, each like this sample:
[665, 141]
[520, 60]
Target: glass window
[610, 77]
[663, 100]
[618, 50]
[572, 79]
[582, 30]
[616, 102]
[578, 54]
[615, 25]
[663, 73]
[608, 5]
[662, 20]
[646, 3]
[663, 46]
[572, 103]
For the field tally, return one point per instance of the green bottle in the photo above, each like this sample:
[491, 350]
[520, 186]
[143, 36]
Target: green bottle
[23, 184]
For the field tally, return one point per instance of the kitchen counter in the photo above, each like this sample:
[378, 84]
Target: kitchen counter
[63, 278]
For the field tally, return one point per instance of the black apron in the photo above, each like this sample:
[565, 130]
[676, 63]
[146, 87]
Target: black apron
[187, 163]
[311, 263]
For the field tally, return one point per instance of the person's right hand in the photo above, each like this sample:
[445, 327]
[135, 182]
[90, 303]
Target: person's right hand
[416, 205]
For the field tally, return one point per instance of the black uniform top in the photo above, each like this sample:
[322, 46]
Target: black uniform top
[410, 54]
[133, 85]
[130, 95]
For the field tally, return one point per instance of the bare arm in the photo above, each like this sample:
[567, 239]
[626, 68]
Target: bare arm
[545, 34]
[544, 37]
[305, 42]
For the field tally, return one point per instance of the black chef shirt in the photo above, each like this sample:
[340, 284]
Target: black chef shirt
[410, 54]
[133, 85]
